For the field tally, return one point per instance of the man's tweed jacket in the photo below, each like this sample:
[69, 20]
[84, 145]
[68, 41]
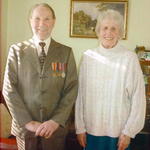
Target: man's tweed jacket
[32, 94]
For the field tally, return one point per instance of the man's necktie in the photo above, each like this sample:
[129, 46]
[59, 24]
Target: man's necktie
[42, 55]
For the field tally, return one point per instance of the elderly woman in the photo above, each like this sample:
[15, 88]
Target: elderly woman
[110, 107]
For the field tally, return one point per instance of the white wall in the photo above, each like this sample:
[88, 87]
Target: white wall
[17, 28]
[3, 46]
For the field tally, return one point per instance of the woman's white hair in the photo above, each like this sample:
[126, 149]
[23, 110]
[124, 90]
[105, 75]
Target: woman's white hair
[111, 15]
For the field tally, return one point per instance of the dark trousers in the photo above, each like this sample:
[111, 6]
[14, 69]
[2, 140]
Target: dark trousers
[55, 142]
[102, 143]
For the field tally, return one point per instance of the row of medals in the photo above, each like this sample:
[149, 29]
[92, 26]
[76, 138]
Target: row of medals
[59, 69]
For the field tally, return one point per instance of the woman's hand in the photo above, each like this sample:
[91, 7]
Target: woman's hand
[82, 139]
[123, 142]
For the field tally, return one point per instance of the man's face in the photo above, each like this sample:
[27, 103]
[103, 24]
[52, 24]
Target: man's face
[42, 22]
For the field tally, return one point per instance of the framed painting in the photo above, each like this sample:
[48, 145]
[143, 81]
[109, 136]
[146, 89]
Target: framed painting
[84, 13]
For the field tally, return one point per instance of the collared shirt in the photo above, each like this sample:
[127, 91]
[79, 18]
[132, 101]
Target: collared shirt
[38, 47]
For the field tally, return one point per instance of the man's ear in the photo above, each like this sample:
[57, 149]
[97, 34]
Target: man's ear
[54, 22]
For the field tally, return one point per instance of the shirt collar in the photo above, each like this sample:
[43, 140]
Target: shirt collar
[37, 40]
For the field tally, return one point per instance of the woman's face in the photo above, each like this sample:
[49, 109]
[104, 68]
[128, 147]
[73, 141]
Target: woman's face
[109, 33]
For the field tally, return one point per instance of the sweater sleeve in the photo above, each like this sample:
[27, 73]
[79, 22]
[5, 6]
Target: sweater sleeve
[79, 107]
[136, 93]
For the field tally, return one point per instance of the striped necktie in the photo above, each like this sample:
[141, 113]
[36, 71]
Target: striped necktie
[42, 55]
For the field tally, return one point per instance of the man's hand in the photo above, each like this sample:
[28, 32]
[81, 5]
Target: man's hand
[82, 139]
[32, 126]
[123, 142]
[47, 128]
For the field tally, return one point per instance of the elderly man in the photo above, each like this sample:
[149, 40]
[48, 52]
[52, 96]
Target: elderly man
[40, 85]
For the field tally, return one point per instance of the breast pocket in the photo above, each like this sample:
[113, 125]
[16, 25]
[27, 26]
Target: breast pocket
[56, 74]
[58, 69]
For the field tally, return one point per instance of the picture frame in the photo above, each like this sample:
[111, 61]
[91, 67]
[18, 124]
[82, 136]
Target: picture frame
[146, 55]
[83, 15]
[140, 51]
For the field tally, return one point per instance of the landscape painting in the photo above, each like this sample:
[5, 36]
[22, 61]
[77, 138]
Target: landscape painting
[84, 15]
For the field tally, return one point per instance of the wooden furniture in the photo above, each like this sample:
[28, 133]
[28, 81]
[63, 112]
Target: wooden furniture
[142, 140]
[144, 58]
[145, 65]
[7, 141]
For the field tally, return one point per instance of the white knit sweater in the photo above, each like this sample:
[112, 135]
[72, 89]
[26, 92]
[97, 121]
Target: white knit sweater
[111, 98]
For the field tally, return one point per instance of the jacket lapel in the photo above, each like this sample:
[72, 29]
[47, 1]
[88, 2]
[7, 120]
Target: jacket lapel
[31, 55]
[51, 54]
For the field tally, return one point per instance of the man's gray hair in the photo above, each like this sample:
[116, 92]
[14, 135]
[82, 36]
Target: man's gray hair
[112, 15]
[43, 5]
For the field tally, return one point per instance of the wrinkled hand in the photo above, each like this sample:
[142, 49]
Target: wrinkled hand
[82, 139]
[32, 126]
[123, 142]
[47, 128]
